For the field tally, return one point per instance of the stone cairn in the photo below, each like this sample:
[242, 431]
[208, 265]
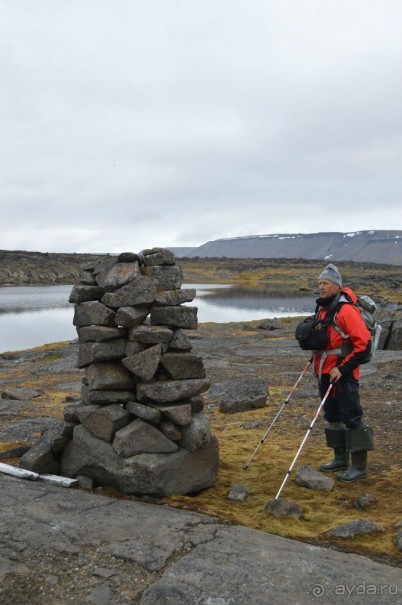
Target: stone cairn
[140, 425]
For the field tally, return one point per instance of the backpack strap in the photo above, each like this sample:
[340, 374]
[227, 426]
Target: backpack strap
[338, 329]
[343, 351]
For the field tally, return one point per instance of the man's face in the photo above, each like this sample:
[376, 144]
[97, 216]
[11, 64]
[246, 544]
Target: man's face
[327, 288]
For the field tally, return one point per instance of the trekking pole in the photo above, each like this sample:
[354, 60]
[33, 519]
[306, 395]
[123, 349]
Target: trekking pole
[245, 467]
[305, 439]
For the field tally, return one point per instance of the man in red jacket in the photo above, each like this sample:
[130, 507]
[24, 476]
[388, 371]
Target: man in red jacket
[348, 344]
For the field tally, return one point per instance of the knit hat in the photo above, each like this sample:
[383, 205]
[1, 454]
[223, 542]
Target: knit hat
[332, 274]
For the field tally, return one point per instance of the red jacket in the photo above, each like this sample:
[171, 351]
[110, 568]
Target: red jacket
[350, 322]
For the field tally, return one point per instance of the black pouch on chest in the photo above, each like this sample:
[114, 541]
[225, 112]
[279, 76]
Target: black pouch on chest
[311, 334]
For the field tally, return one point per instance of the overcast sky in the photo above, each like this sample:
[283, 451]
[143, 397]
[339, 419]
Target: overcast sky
[128, 124]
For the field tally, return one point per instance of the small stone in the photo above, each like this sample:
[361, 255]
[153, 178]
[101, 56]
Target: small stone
[283, 508]
[139, 437]
[150, 334]
[170, 430]
[144, 364]
[144, 411]
[131, 316]
[139, 291]
[253, 424]
[99, 333]
[398, 540]
[197, 434]
[105, 376]
[239, 395]
[130, 257]
[103, 421]
[179, 413]
[271, 324]
[117, 276]
[93, 313]
[175, 297]
[85, 482]
[168, 278]
[21, 393]
[180, 341]
[308, 477]
[160, 257]
[90, 352]
[237, 493]
[171, 390]
[84, 293]
[364, 501]
[183, 365]
[175, 317]
[356, 528]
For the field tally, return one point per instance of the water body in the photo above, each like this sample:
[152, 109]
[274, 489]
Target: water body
[31, 316]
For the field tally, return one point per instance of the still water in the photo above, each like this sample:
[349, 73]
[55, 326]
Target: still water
[34, 315]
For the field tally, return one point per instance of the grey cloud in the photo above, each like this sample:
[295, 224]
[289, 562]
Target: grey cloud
[184, 121]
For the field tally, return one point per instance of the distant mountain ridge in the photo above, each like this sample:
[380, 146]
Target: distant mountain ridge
[383, 247]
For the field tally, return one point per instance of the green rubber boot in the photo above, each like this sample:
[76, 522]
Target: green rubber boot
[358, 442]
[335, 433]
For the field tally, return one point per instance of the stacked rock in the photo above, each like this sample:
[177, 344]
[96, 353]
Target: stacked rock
[140, 425]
